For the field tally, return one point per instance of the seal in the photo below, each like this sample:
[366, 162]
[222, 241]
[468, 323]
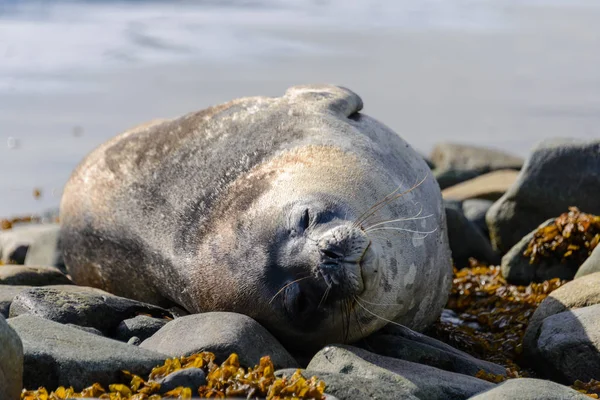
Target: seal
[299, 211]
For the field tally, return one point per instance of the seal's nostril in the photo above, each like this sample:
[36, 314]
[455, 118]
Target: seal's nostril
[331, 254]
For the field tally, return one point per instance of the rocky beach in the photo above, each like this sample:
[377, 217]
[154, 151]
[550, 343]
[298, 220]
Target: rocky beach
[521, 321]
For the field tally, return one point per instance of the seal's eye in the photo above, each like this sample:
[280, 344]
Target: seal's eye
[305, 220]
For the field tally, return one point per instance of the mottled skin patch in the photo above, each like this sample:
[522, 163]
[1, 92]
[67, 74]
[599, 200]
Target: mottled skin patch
[222, 208]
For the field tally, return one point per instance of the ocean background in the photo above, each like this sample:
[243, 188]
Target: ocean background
[498, 73]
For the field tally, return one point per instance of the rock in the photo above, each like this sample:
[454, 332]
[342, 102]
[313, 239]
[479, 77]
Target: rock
[101, 311]
[517, 269]
[530, 389]
[575, 294]
[456, 163]
[406, 344]
[350, 387]
[134, 341]
[141, 326]
[419, 380]
[11, 362]
[466, 240]
[7, 294]
[490, 186]
[58, 355]
[16, 243]
[475, 210]
[191, 378]
[567, 346]
[558, 174]
[222, 333]
[87, 329]
[591, 265]
[32, 276]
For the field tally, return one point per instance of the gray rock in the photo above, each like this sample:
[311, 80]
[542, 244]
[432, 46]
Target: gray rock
[475, 210]
[591, 265]
[7, 294]
[558, 174]
[16, 243]
[87, 329]
[516, 268]
[101, 311]
[11, 362]
[191, 378]
[419, 380]
[466, 240]
[530, 389]
[32, 276]
[456, 163]
[134, 341]
[222, 333]
[350, 387]
[141, 326]
[406, 344]
[58, 355]
[567, 347]
[575, 294]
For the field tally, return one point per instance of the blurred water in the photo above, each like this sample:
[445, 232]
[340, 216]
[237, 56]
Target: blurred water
[504, 73]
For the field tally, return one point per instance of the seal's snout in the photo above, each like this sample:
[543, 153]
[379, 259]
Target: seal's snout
[341, 250]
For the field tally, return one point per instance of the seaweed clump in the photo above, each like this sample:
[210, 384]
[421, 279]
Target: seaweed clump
[226, 380]
[493, 314]
[591, 388]
[571, 237]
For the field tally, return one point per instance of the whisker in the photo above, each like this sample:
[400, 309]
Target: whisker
[381, 221]
[391, 228]
[285, 286]
[386, 201]
[377, 304]
[377, 316]
[324, 298]
[398, 220]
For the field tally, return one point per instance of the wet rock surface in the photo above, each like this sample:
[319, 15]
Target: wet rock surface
[11, 362]
[558, 174]
[58, 355]
[32, 276]
[221, 333]
[421, 381]
[190, 378]
[530, 389]
[96, 310]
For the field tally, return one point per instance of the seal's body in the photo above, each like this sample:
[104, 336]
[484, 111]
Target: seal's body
[317, 221]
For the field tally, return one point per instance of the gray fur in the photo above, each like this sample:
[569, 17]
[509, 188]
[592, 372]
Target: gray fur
[147, 214]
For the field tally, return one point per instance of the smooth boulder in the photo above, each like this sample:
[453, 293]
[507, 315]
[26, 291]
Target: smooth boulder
[567, 346]
[221, 333]
[421, 381]
[11, 362]
[591, 265]
[466, 240]
[406, 344]
[475, 210]
[7, 295]
[530, 389]
[575, 294]
[16, 243]
[59, 355]
[32, 276]
[558, 174]
[490, 186]
[86, 308]
[141, 327]
[455, 162]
